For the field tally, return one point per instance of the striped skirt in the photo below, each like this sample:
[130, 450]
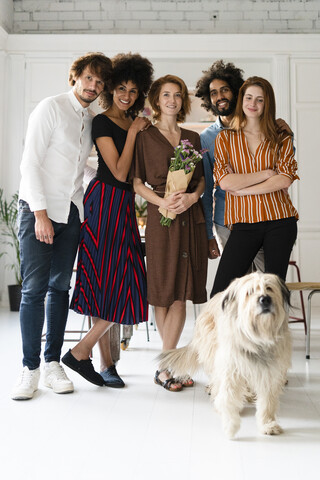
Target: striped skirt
[111, 276]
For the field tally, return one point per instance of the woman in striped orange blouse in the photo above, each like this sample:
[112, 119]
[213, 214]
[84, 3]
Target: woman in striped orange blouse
[255, 165]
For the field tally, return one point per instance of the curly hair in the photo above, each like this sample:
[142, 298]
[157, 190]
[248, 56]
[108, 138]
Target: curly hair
[98, 63]
[221, 71]
[268, 118]
[129, 67]
[154, 94]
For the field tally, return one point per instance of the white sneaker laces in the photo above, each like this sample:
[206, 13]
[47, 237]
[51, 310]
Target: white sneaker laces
[58, 372]
[27, 377]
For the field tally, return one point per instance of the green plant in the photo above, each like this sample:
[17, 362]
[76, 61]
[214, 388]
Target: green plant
[9, 231]
[140, 206]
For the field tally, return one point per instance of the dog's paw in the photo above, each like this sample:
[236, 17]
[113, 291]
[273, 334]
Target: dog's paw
[230, 429]
[271, 428]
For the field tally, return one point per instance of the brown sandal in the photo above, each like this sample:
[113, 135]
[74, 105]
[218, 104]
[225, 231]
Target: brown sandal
[167, 384]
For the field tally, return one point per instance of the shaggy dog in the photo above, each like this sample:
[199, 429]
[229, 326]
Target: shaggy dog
[242, 340]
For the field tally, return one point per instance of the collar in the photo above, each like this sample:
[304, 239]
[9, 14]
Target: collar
[219, 124]
[76, 104]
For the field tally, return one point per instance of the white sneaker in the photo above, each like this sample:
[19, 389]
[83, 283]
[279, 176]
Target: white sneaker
[56, 378]
[26, 385]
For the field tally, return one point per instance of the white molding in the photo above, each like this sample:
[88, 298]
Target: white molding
[171, 45]
[14, 124]
[3, 39]
[281, 80]
[308, 230]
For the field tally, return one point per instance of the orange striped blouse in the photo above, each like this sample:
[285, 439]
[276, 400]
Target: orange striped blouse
[231, 148]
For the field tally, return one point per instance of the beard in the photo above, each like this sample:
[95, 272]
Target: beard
[82, 95]
[226, 111]
[87, 100]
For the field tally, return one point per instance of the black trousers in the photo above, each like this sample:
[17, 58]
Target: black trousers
[277, 238]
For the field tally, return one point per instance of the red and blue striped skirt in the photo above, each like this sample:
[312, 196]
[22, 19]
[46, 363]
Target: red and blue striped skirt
[111, 275]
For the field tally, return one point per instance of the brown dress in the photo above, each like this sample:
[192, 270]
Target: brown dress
[176, 255]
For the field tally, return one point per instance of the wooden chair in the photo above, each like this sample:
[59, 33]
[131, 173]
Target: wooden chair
[81, 331]
[302, 319]
[312, 287]
[76, 332]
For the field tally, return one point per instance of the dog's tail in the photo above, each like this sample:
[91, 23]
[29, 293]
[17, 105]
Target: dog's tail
[181, 361]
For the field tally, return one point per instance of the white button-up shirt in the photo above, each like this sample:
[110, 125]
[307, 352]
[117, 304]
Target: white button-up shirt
[57, 146]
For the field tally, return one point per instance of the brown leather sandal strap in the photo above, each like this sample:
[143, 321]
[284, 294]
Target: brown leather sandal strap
[168, 383]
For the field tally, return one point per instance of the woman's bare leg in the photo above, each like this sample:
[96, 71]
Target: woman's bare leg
[82, 350]
[160, 314]
[105, 351]
[170, 322]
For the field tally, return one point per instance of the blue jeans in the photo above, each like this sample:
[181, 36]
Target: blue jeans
[46, 270]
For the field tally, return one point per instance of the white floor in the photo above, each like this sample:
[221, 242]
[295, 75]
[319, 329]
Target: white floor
[144, 432]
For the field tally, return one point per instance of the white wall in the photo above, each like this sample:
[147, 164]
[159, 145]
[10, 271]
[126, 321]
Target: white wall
[37, 66]
[3, 43]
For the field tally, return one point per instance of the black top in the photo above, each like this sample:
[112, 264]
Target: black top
[102, 126]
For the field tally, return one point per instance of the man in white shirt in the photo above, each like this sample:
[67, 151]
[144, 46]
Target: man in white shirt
[58, 143]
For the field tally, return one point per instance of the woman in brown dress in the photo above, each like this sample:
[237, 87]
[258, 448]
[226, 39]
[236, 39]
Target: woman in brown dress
[176, 255]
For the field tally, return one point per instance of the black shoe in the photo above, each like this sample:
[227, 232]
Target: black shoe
[111, 378]
[84, 368]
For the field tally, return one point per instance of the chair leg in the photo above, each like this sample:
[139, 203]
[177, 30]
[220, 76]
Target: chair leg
[153, 318]
[89, 327]
[293, 263]
[309, 322]
[308, 327]
[82, 327]
[196, 311]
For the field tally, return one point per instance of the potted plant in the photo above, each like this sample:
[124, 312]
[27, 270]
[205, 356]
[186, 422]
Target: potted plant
[9, 238]
[141, 213]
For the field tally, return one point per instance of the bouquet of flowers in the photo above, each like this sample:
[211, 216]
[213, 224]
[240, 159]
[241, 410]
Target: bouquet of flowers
[180, 173]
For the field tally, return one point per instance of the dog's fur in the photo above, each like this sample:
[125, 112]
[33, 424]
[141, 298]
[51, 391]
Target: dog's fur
[242, 340]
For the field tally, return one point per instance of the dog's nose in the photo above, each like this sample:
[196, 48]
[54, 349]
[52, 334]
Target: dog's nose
[265, 301]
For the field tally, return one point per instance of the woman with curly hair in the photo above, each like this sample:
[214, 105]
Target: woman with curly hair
[111, 278]
[255, 165]
[176, 256]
